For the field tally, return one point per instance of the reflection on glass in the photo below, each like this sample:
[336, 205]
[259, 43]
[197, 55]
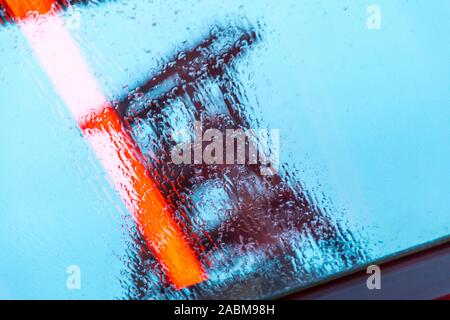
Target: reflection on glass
[362, 158]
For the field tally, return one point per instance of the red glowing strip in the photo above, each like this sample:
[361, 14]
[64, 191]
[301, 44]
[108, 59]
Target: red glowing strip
[60, 58]
[20, 8]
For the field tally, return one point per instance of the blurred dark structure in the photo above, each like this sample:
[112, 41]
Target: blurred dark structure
[200, 84]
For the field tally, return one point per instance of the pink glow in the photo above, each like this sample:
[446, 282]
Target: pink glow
[64, 64]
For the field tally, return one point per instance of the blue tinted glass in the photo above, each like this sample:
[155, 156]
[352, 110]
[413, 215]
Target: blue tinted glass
[356, 94]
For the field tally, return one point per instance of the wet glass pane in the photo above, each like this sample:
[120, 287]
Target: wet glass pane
[206, 149]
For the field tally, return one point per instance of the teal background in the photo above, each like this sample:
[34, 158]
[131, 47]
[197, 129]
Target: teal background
[363, 116]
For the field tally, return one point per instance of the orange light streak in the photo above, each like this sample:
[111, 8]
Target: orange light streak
[20, 8]
[60, 57]
[163, 235]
